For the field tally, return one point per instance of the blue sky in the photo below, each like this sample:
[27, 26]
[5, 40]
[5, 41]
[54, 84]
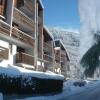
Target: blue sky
[61, 13]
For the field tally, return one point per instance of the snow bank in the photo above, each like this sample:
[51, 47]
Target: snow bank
[70, 92]
[14, 71]
[1, 96]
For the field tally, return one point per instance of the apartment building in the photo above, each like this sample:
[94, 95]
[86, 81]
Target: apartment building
[21, 23]
[25, 42]
[62, 60]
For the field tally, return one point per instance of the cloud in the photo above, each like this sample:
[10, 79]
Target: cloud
[67, 29]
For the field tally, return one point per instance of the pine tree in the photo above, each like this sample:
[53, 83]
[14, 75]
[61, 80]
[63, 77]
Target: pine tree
[90, 60]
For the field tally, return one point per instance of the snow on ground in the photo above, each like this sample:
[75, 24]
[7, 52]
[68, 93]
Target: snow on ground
[1, 96]
[89, 92]
[15, 71]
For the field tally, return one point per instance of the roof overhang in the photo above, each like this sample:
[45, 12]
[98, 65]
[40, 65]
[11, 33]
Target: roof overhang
[41, 4]
[49, 33]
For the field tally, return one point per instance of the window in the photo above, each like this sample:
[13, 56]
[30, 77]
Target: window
[19, 49]
[3, 7]
[57, 43]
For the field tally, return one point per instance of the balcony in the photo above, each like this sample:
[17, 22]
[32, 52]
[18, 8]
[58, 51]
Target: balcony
[57, 58]
[1, 10]
[63, 58]
[28, 8]
[57, 65]
[4, 28]
[47, 48]
[40, 21]
[63, 52]
[23, 37]
[4, 53]
[23, 20]
[47, 52]
[24, 58]
[48, 58]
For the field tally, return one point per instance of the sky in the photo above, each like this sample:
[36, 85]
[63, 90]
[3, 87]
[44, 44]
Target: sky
[61, 13]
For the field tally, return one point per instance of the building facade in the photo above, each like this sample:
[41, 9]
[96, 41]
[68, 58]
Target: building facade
[21, 29]
[25, 41]
[62, 60]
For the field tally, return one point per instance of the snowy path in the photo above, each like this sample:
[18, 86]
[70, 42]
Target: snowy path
[91, 92]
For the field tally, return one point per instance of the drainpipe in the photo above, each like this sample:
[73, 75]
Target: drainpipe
[11, 17]
[36, 36]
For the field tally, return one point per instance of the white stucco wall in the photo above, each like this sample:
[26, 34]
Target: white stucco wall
[12, 54]
[5, 45]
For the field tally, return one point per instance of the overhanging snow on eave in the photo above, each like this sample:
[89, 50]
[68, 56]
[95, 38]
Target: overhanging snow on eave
[41, 4]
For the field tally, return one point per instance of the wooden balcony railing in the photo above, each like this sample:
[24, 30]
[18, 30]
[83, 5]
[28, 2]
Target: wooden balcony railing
[24, 58]
[19, 35]
[47, 48]
[57, 58]
[40, 21]
[1, 9]
[22, 18]
[63, 58]
[4, 28]
[48, 54]
[57, 65]
[4, 54]
[63, 52]
[28, 7]
[48, 58]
